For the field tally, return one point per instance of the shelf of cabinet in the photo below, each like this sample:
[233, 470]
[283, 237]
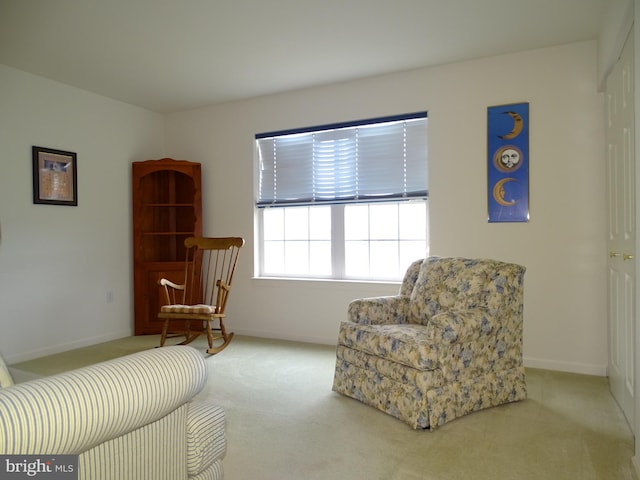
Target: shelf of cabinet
[168, 204]
[167, 233]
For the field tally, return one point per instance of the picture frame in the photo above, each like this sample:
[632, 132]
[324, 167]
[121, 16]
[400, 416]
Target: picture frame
[55, 177]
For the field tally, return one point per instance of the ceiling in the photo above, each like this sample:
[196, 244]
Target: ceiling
[171, 55]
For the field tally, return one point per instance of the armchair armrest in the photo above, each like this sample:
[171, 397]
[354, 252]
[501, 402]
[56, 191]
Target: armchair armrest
[458, 326]
[379, 310]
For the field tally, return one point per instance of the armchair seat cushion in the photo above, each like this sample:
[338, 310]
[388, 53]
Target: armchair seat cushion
[399, 343]
[386, 368]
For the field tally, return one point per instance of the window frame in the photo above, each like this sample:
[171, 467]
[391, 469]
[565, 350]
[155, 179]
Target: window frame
[338, 241]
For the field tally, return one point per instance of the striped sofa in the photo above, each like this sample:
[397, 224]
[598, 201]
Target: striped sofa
[129, 418]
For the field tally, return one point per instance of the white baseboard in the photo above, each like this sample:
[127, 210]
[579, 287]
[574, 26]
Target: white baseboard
[570, 367]
[544, 364]
[287, 336]
[63, 347]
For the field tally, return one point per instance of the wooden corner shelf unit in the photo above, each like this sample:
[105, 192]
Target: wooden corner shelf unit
[167, 208]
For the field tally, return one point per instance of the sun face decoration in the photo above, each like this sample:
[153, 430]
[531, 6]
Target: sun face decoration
[508, 159]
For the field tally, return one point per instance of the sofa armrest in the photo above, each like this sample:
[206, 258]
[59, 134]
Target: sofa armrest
[458, 326]
[74, 411]
[379, 310]
[206, 436]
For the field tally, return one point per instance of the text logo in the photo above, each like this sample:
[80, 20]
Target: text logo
[52, 467]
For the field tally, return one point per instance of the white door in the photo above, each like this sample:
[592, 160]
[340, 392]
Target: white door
[621, 241]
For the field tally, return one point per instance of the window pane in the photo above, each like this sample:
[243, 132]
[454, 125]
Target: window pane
[384, 221]
[413, 220]
[296, 223]
[356, 222]
[356, 259]
[274, 257]
[296, 258]
[320, 223]
[411, 251]
[320, 258]
[273, 223]
[384, 259]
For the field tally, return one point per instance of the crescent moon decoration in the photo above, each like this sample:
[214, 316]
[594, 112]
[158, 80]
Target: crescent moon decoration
[517, 126]
[498, 192]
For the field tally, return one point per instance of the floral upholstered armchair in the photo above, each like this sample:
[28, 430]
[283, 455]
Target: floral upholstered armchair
[449, 344]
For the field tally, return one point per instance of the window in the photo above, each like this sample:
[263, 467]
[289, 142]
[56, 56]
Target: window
[346, 201]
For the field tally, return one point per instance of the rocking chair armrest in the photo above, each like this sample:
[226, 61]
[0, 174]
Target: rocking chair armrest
[170, 289]
[168, 283]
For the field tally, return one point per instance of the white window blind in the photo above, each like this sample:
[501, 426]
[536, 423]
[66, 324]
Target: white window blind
[370, 160]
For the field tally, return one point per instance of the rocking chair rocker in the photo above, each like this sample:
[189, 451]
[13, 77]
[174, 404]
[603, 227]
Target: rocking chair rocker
[202, 299]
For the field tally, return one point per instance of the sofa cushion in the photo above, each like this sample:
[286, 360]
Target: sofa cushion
[404, 344]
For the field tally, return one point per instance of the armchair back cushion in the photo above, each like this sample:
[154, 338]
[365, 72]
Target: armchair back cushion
[410, 278]
[460, 284]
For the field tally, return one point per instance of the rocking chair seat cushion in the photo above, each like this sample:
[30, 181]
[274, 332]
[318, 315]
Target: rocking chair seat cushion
[190, 309]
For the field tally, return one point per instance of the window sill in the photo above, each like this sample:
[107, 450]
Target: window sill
[323, 281]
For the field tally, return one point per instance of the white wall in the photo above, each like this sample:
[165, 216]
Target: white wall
[616, 24]
[563, 246]
[58, 263]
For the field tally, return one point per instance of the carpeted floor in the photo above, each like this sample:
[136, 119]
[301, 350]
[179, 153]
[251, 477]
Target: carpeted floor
[284, 422]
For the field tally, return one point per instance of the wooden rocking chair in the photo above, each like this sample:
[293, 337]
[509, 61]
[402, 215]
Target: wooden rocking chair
[201, 300]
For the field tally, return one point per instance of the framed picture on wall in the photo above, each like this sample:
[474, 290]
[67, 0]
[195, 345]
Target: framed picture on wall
[55, 177]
